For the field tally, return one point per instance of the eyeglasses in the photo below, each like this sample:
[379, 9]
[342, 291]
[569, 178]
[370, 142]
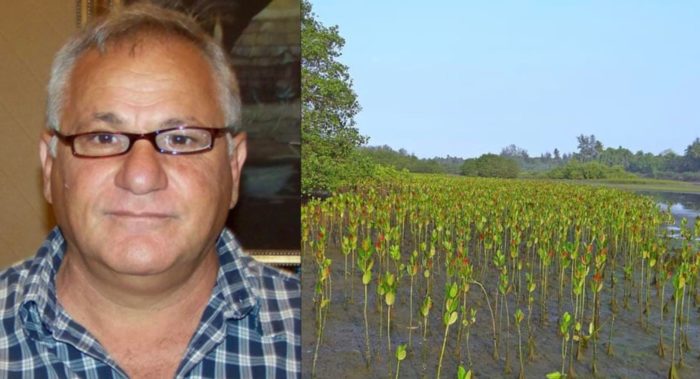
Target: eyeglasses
[175, 141]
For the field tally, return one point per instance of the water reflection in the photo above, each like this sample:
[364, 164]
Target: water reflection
[681, 205]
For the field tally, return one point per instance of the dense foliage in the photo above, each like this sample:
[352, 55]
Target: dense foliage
[491, 166]
[591, 160]
[330, 139]
[402, 160]
[590, 170]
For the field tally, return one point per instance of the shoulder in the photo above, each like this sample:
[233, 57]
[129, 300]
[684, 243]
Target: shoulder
[274, 285]
[265, 282]
[278, 296]
[12, 292]
[11, 285]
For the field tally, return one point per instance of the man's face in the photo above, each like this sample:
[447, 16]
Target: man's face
[142, 213]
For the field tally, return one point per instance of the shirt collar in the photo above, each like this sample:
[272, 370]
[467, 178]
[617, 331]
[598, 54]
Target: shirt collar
[40, 284]
[235, 281]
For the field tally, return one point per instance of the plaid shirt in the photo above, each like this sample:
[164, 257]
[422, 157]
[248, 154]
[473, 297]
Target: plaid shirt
[250, 328]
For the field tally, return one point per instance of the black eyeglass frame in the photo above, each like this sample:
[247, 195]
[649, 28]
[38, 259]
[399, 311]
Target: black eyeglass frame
[151, 137]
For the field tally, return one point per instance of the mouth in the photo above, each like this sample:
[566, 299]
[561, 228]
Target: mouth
[139, 215]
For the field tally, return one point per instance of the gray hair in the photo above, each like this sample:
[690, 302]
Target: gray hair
[132, 22]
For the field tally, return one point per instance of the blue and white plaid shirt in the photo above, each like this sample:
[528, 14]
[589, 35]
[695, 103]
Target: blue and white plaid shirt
[251, 327]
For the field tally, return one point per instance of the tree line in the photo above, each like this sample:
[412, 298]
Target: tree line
[591, 161]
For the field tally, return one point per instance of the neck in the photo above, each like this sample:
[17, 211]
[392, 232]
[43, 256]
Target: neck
[101, 298]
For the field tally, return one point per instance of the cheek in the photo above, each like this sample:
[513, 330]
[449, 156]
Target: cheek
[201, 183]
[79, 182]
[75, 189]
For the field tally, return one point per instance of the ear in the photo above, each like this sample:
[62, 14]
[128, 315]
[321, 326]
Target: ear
[46, 163]
[236, 161]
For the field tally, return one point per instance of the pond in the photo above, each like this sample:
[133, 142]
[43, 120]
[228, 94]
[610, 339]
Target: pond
[682, 205]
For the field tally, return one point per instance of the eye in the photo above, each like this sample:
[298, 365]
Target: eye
[180, 140]
[185, 140]
[103, 139]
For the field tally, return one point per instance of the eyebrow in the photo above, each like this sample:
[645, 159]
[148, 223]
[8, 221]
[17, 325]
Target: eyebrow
[108, 117]
[175, 122]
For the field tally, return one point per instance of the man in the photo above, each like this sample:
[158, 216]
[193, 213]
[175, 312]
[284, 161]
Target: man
[141, 164]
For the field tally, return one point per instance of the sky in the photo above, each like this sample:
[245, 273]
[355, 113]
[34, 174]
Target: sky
[465, 78]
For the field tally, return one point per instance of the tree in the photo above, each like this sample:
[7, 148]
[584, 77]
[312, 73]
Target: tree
[491, 166]
[329, 105]
[616, 157]
[402, 160]
[588, 147]
[516, 152]
[590, 170]
[692, 155]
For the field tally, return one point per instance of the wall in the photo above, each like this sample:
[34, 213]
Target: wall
[30, 33]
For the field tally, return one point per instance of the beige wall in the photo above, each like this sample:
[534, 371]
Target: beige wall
[30, 33]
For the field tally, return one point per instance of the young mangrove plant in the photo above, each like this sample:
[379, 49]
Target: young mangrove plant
[468, 322]
[596, 287]
[531, 286]
[449, 317]
[493, 319]
[564, 327]
[365, 263]
[462, 373]
[425, 311]
[322, 308]
[679, 281]
[518, 319]
[411, 270]
[464, 268]
[400, 356]
[389, 284]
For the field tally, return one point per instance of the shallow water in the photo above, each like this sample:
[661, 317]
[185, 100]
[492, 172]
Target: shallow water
[681, 205]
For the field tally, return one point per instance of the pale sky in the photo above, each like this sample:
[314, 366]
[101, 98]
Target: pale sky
[464, 78]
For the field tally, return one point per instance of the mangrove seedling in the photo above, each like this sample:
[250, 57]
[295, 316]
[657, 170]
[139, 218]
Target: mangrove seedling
[518, 319]
[389, 284]
[462, 373]
[365, 263]
[411, 270]
[400, 356]
[425, 311]
[449, 317]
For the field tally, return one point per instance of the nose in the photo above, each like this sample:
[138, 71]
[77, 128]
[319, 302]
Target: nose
[142, 171]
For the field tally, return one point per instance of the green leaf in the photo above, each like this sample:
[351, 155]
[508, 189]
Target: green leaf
[453, 290]
[554, 375]
[453, 318]
[461, 372]
[519, 316]
[401, 352]
[367, 277]
[389, 298]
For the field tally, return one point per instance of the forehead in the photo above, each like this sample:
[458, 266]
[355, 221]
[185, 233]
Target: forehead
[142, 73]
[151, 53]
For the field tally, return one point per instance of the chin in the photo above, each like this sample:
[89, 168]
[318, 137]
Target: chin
[137, 259]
